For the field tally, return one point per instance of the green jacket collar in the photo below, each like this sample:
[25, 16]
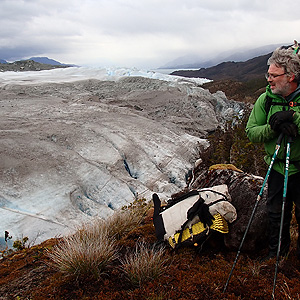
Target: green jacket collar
[293, 95]
[289, 98]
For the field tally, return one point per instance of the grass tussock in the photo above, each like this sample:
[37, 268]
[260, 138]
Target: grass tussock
[89, 251]
[123, 221]
[93, 248]
[144, 264]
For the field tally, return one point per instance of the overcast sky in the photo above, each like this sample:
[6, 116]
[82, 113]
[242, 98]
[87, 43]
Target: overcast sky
[141, 33]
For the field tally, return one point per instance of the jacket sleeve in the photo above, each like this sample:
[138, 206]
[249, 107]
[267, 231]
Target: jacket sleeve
[296, 120]
[257, 129]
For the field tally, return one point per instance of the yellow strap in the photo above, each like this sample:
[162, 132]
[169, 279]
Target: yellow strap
[219, 224]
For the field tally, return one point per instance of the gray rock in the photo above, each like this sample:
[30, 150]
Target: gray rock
[244, 189]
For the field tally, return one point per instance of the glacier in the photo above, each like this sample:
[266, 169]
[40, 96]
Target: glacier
[79, 143]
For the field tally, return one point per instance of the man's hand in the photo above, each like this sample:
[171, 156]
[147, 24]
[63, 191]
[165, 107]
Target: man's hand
[288, 129]
[281, 117]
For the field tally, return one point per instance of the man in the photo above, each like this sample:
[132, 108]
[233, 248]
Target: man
[277, 111]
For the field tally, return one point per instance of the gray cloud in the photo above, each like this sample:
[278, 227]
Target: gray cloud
[144, 33]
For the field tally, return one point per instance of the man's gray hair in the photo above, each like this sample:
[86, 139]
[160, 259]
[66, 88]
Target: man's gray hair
[286, 58]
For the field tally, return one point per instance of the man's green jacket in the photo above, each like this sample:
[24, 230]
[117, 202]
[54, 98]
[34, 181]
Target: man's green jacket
[259, 131]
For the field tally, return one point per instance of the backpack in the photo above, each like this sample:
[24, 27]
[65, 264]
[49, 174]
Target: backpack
[190, 218]
[269, 103]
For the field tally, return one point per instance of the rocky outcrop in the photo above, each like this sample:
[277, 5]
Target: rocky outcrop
[244, 189]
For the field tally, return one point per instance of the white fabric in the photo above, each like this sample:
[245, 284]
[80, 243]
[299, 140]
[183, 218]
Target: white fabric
[176, 215]
[224, 208]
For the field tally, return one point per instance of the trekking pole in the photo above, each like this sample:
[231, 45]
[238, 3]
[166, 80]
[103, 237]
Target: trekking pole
[277, 147]
[287, 162]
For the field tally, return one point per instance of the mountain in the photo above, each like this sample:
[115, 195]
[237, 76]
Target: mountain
[195, 61]
[28, 65]
[254, 68]
[48, 61]
[41, 60]
[45, 60]
[32, 64]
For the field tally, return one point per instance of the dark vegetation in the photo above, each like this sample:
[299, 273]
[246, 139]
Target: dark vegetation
[233, 147]
[241, 81]
[246, 92]
[240, 71]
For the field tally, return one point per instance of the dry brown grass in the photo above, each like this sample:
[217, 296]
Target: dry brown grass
[93, 248]
[26, 274]
[144, 264]
[122, 222]
[87, 252]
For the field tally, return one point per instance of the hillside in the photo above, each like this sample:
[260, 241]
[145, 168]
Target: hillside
[254, 68]
[28, 65]
[240, 81]
[187, 274]
[247, 92]
[47, 61]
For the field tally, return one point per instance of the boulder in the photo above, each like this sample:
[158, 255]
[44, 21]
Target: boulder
[244, 189]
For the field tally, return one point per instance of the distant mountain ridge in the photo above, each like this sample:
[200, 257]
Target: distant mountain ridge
[254, 68]
[32, 64]
[48, 61]
[195, 62]
[42, 60]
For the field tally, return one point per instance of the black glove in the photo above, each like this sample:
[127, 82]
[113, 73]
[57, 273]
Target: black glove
[288, 129]
[279, 118]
